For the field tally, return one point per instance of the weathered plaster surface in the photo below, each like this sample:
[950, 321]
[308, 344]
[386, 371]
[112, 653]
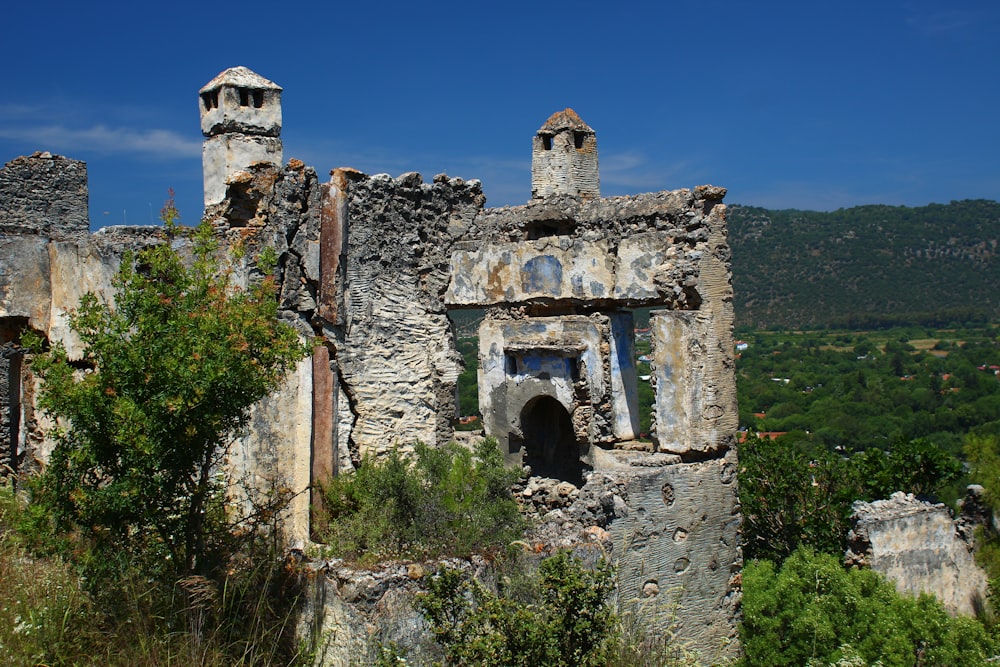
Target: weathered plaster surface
[919, 547]
[677, 550]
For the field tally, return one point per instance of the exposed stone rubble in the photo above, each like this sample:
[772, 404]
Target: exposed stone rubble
[919, 546]
[565, 516]
[44, 194]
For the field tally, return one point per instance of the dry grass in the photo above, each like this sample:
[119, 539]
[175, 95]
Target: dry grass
[47, 617]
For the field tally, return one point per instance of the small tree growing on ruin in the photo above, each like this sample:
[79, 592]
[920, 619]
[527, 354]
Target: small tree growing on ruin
[171, 371]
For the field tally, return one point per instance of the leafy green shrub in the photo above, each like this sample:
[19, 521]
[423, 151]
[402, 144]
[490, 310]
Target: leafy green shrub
[174, 368]
[812, 611]
[983, 452]
[793, 495]
[568, 621]
[914, 466]
[447, 500]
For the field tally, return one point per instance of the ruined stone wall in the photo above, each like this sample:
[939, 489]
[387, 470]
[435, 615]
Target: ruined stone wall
[44, 194]
[918, 546]
[42, 278]
[636, 251]
[677, 549]
[397, 355]
[666, 249]
[368, 268]
[279, 208]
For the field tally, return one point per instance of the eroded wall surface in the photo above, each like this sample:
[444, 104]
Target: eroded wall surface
[677, 549]
[918, 546]
[397, 354]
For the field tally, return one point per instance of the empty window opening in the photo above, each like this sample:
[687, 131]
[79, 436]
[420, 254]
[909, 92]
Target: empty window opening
[547, 142]
[545, 228]
[643, 351]
[465, 325]
[210, 100]
[244, 97]
[10, 404]
[258, 99]
[550, 446]
[510, 364]
[578, 138]
[11, 329]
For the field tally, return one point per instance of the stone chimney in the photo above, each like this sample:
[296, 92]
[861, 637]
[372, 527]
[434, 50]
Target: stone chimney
[241, 121]
[564, 158]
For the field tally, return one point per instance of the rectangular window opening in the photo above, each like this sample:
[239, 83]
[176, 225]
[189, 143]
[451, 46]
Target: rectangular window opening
[244, 97]
[578, 138]
[258, 99]
[547, 142]
[510, 364]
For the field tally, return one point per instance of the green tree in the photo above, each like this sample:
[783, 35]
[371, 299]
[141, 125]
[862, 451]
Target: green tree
[811, 611]
[791, 496]
[983, 454]
[172, 369]
[913, 466]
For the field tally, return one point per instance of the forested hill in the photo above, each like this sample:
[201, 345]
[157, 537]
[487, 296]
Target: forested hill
[867, 266]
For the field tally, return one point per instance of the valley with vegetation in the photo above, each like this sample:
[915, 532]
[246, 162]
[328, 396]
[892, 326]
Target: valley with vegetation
[866, 267]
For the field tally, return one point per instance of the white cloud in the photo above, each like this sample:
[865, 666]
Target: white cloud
[632, 171]
[162, 144]
[14, 110]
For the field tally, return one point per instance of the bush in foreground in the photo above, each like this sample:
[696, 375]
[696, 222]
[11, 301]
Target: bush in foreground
[49, 617]
[568, 623]
[447, 500]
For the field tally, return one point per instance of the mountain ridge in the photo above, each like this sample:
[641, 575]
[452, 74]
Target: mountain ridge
[872, 265]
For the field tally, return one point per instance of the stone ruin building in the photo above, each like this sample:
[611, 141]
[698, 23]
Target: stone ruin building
[371, 266]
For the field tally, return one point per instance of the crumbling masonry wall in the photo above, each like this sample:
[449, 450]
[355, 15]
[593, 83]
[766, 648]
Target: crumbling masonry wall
[44, 194]
[921, 548]
[369, 268]
[397, 353]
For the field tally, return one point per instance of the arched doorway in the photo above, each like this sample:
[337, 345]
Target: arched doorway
[550, 446]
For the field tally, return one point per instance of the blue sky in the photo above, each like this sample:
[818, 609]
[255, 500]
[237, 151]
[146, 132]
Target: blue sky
[788, 104]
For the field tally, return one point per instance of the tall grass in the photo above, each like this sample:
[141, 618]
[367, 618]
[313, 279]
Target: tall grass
[49, 614]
